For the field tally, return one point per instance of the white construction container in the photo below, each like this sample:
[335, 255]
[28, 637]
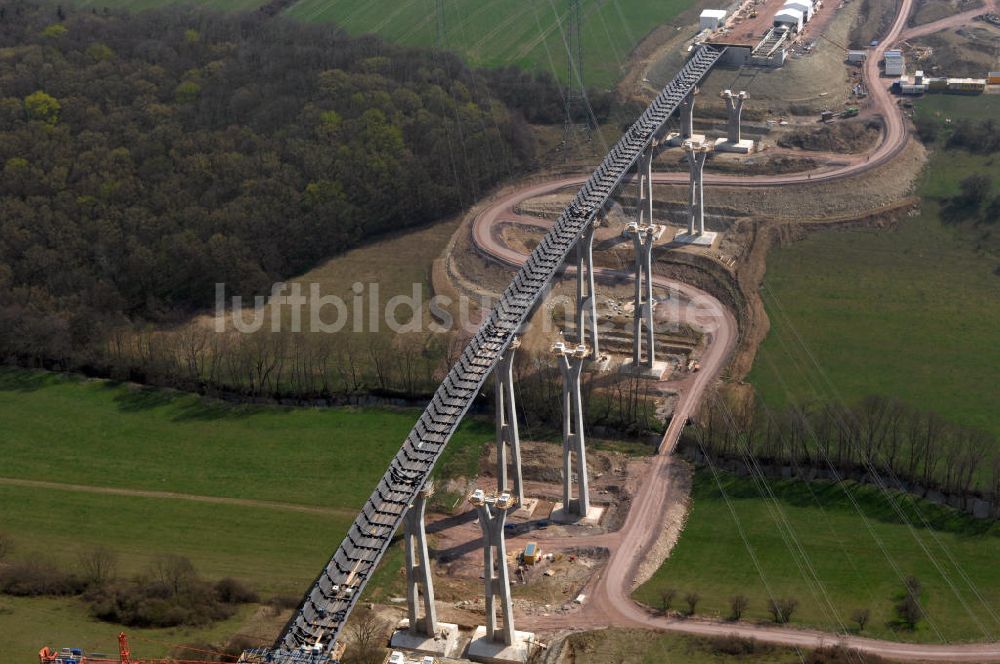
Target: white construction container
[789, 18]
[804, 6]
[712, 19]
[895, 64]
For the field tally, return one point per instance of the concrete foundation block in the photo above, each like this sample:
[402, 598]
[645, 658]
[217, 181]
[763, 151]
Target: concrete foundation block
[593, 518]
[706, 239]
[482, 649]
[675, 140]
[656, 372]
[744, 146]
[443, 644]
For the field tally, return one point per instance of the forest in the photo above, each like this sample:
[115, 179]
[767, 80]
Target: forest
[146, 157]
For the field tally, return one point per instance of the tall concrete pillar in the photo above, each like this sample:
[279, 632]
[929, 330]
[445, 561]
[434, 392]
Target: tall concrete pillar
[506, 422]
[644, 199]
[418, 566]
[697, 153]
[571, 362]
[687, 116]
[642, 238]
[734, 102]
[492, 516]
[586, 295]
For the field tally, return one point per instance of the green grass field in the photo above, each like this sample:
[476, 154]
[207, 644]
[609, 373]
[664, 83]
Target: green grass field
[107, 436]
[911, 313]
[508, 32]
[113, 435]
[846, 562]
[139, 5]
[489, 34]
[635, 646]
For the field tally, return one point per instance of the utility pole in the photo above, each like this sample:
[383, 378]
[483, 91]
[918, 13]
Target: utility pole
[575, 97]
[440, 39]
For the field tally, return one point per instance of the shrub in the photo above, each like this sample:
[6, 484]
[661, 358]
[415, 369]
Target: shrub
[168, 595]
[860, 618]
[736, 646]
[692, 600]
[737, 605]
[35, 577]
[231, 591]
[781, 609]
[667, 599]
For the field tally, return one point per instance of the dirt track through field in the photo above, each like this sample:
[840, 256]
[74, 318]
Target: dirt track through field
[171, 495]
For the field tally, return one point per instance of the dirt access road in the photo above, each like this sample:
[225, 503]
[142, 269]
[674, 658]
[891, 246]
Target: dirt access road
[953, 21]
[609, 601]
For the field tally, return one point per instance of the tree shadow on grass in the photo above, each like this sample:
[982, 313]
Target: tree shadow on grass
[24, 380]
[183, 406]
[893, 506]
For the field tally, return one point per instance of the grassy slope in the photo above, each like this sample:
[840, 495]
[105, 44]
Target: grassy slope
[120, 436]
[507, 32]
[103, 435]
[631, 646]
[138, 5]
[850, 562]
[911, 312]
[28, 624]
[496, 33]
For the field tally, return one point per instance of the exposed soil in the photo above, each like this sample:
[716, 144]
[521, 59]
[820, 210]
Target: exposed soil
[552, 584]
[928, 11]
[844, 136]
[873, 21]
[957, 52]
[810, 81]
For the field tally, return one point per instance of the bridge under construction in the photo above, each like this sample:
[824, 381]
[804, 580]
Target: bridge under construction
[312, 634]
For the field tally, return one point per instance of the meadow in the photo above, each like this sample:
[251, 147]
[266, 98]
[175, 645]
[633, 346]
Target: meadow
[263, 494]
[910, 312]
[836, 549]
[531, 35]
[488, 34]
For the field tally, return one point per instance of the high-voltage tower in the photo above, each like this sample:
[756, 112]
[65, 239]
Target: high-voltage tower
[315, 628]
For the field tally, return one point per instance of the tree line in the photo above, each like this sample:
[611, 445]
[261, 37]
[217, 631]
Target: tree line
[878, 438]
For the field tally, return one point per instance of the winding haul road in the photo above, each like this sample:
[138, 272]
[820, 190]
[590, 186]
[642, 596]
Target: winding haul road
[609, 601]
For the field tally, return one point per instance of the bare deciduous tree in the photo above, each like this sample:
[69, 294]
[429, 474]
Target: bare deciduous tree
[98, 566]
[860, 618]
[366, 631]
[781, 609]
[667, 599]
[738, 605]
[692, 600]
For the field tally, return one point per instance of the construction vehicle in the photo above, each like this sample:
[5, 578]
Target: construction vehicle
[850, 112]
[77, 656]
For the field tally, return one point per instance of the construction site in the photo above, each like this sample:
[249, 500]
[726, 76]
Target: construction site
[634, 283]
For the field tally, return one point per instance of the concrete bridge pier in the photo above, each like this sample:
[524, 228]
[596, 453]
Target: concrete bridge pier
[421, 634]
[643, 362]
[506, 423]
[586, 295]
[491, 643]
[734, 142]
[686, 113]
[697, 153]
[571, 360]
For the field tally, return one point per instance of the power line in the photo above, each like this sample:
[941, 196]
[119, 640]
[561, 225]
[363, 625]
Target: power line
[441, 39]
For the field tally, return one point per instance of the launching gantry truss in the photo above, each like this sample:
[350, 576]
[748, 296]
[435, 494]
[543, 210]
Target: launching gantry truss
[314, 629]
